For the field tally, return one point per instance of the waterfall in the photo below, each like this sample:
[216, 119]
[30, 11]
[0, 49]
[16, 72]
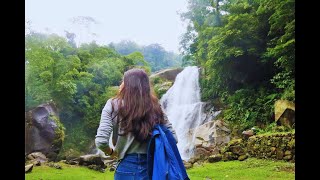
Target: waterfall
[182, 104]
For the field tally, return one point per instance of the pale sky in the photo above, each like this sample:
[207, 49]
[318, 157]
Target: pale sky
[142, 21]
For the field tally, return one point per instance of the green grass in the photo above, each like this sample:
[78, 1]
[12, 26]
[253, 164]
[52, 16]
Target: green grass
[68, 172]
[250, 169]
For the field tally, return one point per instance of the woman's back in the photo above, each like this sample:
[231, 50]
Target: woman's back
[124, 144]
[130, 117]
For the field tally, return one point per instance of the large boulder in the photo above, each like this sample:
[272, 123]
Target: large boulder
[168, 74]
[284, 113]
[97, 162]
[212, 134]
[36, 158]
[43, 131]
[90, 159]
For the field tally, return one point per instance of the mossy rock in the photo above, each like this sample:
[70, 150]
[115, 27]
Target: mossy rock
[69, 154]
[242, 157]
[291, 143]
[161, 89]
[215, 158]
[287, 158]
[59, 132]
[229, 156]
[279, 154]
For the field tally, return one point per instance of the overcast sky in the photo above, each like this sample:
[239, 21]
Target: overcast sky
[143, 21]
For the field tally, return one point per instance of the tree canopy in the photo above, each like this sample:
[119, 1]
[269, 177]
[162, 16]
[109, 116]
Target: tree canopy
[79, 80]
[246, 49]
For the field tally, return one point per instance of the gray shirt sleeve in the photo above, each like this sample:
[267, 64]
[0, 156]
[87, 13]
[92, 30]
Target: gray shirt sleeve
[105, 127]
[169, 126]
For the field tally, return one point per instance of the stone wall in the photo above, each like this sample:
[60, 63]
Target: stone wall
[279, 146]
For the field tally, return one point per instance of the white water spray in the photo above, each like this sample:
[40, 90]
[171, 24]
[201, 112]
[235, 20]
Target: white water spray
[182, 104]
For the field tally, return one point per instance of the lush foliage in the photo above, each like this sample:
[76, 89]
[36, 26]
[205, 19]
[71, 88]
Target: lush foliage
[249, 169]
[246, 49]
[154, 54]
[78, 80]
[160, 86]
[273, 128]
[59, 131]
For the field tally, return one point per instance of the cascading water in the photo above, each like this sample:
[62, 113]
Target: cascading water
[182, 104]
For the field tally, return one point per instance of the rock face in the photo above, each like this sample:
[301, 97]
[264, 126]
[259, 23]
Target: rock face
[169, 74]
[43, 131]
[209, 139]
[285, 113]
[211, 134]
[210, 112]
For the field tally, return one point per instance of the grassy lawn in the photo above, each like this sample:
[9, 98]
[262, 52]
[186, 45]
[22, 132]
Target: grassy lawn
[250, 169]
[67, 172]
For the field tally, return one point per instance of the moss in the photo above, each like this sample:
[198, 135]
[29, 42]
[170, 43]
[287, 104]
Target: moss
[59, 130]
[160, 85]
[269, 134]
[291, 143]
[161, 88]
[273, 128]
[156, 80]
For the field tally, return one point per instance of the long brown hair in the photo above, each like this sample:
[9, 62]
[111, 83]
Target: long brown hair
[138, 108]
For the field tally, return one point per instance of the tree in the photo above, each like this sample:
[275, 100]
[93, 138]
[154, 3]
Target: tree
[243, 47]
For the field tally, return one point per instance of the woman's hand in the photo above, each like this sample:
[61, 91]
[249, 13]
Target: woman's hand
[110, 152]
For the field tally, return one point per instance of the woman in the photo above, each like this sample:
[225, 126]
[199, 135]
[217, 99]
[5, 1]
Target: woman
[131, 116]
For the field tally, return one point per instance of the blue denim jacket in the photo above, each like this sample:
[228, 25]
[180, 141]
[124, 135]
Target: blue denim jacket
[164, 161]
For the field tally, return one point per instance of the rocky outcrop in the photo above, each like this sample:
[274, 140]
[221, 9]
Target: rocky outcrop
[210, 138]
[284, 113]
[211, 134]
[210, 112]
[168, 74]
[43, 131]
